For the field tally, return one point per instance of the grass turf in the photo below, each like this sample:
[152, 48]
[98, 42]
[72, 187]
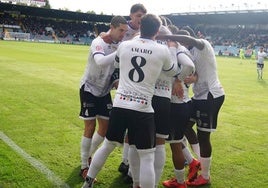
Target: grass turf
[39, 111]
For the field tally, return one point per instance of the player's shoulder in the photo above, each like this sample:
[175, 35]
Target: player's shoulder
[97, 41]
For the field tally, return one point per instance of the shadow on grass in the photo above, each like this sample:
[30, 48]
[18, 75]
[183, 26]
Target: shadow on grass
[74, 179]
[119, 182]
[202, 186]
[262, 83]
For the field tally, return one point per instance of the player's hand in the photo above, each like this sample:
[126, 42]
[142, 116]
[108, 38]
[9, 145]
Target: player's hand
[115, 84]
[177, 88]
[106, 38]
[190, 79]
[172, 44]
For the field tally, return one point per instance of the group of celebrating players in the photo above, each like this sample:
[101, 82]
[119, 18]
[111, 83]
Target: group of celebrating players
[152, 64]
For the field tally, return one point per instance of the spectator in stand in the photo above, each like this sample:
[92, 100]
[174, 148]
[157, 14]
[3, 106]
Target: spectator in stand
[220, 53]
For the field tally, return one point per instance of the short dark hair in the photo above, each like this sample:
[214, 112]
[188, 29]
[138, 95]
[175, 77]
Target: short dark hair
[117, 20]
[138, 7]
[173, 29]
[150, 24]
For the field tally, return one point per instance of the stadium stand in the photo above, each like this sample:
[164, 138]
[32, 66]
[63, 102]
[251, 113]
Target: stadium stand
[49, 25]
[227, 31]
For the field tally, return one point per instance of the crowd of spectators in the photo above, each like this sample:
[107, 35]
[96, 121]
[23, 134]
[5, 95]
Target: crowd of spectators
[63, 31]
[227, 40]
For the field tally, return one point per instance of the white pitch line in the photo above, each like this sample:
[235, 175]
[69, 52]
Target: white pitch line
[34, 162]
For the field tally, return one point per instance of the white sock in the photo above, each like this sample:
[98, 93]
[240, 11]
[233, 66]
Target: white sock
[196, 150]
[205, 166]
[96, 141]
[159, 162]
[134, 165]
[100, 157]
[125, 153]
[187, 155]
[179, 174]
[147, 174]
[184, 141]
[85, 147]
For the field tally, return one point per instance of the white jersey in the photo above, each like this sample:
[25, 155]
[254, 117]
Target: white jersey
[206, 69]
[188, 68]
[140, 62]
[261, 56]
[131, 33]
[163, 85]
[97, 77]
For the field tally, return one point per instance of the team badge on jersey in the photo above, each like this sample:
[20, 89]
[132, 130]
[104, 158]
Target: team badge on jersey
[99, 48]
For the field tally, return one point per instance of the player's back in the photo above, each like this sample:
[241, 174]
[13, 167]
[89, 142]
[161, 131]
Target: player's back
[140, 64]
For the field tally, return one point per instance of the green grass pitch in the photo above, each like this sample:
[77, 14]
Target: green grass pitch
[39, 108]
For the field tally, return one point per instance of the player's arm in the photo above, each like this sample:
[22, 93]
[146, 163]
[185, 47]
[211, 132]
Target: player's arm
[171, 67]
[188, 40]
[187, 65]
[103, 60]
[191, 79]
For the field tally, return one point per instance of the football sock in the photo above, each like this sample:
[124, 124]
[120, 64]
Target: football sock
[187, 155]
[85, 147]
[205, 166]
[184, 141]
[125, 153]
[100, 157]
[196, 150]
[134, 165]
[96, 141]
[147, 174]
[159, 161]
[179, 174]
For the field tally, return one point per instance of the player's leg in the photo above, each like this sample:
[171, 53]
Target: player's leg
[134, 162]
[208, 114]
[262, 66]
[98, 136]
[124, 165]
[88, 114]
[178, 163]
[192, 138]
[114, 137]
[86, 144]
[141, 134]
[98, 161]
[179, 117]
[161, 107]
[259, 71]
[103, 106]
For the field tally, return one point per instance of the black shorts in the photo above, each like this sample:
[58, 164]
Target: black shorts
[161, 106]
[92, 106]
[115, 76]
[260, 65]
[179, 118]
[206, 112]
[140, 126]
